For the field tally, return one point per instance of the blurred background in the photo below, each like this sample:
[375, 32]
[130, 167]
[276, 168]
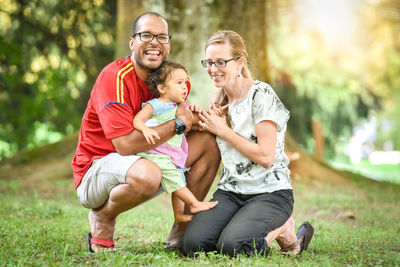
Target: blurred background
[334, 64]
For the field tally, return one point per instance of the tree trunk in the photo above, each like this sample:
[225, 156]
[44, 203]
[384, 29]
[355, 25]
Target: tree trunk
[127, 12]
[305, 167]
[191, 23]
[319, 139]
[250, 21]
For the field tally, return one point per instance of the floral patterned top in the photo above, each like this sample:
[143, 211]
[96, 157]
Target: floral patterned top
[239, 174]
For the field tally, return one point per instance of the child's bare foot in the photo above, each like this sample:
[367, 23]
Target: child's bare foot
[202, 206]
[182, 218]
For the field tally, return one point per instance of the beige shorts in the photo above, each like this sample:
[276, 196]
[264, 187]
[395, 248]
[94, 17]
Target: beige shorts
[102, 176]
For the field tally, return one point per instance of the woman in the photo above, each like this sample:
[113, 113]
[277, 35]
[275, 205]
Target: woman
[255, 195]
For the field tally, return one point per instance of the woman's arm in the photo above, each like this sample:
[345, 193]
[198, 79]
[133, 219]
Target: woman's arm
[263, 152]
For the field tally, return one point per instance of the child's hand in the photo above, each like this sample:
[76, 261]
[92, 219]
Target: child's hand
[150, 135]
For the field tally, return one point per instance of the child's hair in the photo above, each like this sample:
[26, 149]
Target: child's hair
[160, 74]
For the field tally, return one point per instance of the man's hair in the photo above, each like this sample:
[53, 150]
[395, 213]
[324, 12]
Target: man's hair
[160, 75]
[144, 14]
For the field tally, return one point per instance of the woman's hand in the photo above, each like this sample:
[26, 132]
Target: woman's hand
[217, 110]
[214, 121]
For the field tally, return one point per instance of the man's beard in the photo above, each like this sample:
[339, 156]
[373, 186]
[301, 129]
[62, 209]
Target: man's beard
[140, 62]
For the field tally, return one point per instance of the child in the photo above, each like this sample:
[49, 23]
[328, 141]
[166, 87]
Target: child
[168, 83]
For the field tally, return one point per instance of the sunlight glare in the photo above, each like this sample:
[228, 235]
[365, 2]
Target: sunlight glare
[336, 21]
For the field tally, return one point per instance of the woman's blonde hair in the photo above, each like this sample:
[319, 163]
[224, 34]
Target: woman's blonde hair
[238, 50]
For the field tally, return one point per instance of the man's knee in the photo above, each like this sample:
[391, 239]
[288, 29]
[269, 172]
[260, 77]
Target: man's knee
[144, 177]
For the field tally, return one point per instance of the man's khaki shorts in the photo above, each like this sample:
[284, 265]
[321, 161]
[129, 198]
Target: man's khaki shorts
[102, 176]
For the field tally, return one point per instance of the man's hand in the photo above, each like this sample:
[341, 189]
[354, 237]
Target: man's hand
[185, 115]
[196, 110]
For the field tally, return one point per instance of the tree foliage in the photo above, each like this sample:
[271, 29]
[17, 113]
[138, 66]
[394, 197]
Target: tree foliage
[337, 89]
[50, 53]
[382, 20]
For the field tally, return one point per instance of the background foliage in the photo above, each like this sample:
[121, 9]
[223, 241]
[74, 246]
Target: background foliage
[51, 52]
[340, 86]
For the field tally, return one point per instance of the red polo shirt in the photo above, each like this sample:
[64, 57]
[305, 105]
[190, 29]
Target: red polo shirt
[115, 99]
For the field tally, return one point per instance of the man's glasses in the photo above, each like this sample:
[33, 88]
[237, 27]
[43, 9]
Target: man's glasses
[147, 37]
[218, 63]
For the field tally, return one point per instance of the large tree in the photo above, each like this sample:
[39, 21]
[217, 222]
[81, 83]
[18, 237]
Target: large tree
[192, 22]
[75, 43]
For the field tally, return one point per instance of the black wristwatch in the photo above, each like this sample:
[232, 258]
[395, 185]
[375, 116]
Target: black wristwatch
[180, 126]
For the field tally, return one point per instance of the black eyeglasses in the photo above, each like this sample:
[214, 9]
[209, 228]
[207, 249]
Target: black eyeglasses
[218, 63]
[147, 37]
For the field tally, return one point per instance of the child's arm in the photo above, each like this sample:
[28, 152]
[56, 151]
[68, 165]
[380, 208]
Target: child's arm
[139, 124]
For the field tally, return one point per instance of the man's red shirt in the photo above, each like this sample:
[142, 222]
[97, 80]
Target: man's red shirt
[115, 99]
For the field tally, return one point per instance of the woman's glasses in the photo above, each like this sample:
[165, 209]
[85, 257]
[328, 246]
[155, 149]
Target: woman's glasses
[218, 63]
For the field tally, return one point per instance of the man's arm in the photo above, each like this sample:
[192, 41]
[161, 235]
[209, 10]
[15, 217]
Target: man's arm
[135, 142]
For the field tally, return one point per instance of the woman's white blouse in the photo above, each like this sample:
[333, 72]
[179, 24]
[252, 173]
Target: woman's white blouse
[239, 174]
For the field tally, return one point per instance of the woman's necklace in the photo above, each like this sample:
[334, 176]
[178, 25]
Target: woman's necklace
[243, 86]
[236, 100]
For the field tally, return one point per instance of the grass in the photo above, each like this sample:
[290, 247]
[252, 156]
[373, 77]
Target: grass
[380, 172]
[355, 225]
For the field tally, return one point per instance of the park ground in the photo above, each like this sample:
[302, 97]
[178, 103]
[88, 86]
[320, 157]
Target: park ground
[357, 223]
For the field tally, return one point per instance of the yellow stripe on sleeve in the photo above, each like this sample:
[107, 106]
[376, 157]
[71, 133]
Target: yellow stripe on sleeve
[122, 83]
[119, 79]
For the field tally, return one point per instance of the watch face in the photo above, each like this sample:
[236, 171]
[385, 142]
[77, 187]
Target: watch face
[180, 126]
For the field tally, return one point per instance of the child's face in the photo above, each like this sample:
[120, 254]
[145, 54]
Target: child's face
[175, 86]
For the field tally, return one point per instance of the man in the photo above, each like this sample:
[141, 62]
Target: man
[109, 177]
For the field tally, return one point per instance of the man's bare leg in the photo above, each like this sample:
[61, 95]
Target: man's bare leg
[284, 235]
[142, 181]
[204, 158]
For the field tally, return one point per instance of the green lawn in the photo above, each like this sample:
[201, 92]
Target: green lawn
[380, 172]
[355, 225]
